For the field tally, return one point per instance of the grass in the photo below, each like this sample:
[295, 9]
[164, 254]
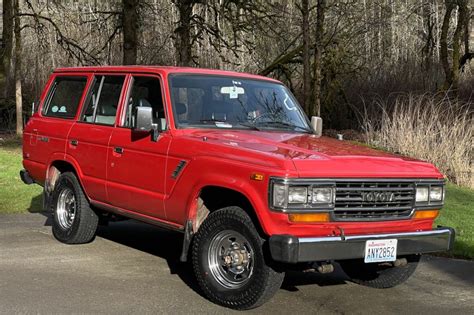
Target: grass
[432, 128]
[458, 213]
[16, 197]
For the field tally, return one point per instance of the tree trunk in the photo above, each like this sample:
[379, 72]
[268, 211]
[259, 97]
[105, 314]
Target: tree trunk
[183, 40]
[451, 71]
[306, 57]
[444, 45]
[18, 92]
[315, 108]
[457, 40]
[130, 31]
[7, 46]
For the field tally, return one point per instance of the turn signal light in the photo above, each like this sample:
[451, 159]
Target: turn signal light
[257, 176]
[426, 214]
[309, 217]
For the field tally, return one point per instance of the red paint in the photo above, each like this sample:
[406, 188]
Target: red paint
[140, 181]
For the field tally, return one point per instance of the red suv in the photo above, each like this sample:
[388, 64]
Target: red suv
[231, 161]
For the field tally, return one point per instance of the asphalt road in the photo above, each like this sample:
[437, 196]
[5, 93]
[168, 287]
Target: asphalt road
[134, 268]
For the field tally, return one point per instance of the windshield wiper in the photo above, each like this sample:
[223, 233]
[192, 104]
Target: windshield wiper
[212, 120]
[250, 126]
[285, 125]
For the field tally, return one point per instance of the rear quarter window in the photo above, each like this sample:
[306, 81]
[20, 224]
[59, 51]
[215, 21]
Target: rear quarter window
[64, 97]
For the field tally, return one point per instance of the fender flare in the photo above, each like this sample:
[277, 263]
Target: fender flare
[228, 183]
[63, 157]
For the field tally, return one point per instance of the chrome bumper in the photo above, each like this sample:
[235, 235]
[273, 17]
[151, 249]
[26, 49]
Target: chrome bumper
[291, 249]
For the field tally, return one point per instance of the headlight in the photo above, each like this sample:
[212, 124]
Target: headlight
[280, 195]
[436, 194]
[297, 194]
[285, 196]
[427, 195]
[422, 194]
[323, 195]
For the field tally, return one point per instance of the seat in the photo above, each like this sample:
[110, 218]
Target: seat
[106, 114]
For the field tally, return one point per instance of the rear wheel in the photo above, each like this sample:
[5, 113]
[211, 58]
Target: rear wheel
[229, 263]
[379, 275]
[74, 222]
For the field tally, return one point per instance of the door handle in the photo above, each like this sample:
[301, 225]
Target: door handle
[74, 142]
[118, 150]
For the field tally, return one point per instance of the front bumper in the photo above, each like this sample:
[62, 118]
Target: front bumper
[292, 249]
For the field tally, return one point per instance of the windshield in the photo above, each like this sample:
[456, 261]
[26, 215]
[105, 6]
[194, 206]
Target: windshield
[229, 102]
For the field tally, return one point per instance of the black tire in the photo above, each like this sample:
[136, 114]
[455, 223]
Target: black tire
[81, 226]
[380, 276]
[253, 290]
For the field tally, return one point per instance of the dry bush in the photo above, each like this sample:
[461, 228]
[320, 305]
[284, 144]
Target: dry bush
[428, 127]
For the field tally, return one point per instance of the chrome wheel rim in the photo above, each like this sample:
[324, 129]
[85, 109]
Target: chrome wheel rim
[230, 259]
[66, 208]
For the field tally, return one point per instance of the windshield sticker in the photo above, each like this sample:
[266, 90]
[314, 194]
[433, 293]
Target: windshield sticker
[289, 107]
[223, 124]
[233, 91]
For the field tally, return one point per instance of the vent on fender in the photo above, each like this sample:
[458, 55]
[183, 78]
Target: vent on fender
[178, 169]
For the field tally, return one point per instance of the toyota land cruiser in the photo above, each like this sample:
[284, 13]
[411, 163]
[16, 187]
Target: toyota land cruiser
[231, 161]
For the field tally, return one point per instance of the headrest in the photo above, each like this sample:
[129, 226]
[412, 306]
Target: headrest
[143, 102]
[181, 108]
[107, 110]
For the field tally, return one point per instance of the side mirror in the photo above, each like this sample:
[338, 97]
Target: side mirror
[144, 122]
[317, 124]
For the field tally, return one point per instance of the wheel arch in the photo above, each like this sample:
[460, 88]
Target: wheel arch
[204, 201]
[58, 164]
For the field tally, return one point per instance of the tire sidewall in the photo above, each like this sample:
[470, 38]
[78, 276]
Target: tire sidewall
[66, 181]
[251, 290]
[373, 276]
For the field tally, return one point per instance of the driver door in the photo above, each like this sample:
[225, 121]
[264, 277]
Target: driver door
[136, 164]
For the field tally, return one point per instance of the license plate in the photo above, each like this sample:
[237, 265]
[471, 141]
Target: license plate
[380, 250]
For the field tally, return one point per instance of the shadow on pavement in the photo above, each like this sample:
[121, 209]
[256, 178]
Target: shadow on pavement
[462, 270]
[36, 206]
[167, 245]
[154, 241]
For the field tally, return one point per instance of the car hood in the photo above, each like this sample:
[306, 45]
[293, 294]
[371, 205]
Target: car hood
[314, 156]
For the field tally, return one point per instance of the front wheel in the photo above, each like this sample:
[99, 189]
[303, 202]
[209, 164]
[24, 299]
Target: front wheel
[379, 275]
[229, 263]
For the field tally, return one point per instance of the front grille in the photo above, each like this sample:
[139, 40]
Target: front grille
[373, 200]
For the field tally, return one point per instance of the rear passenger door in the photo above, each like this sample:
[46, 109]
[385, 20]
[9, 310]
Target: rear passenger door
[47, 132]
[136, 164]
[89, 137]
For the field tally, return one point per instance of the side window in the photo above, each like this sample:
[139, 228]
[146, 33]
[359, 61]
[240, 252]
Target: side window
[145, 91]
[103, 100]
[64, 97]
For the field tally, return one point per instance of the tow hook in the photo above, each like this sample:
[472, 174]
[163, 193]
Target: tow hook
[321, 267]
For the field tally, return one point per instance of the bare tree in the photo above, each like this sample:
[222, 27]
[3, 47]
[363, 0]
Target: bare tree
[130, 31]
[18, 57]
[451, 69]
[7, 46]
[306, 56]
[315, 109]
[183, 37]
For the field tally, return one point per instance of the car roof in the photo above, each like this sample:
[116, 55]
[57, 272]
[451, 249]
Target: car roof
[166, 69]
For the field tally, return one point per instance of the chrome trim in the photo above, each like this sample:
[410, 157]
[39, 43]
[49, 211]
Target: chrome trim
[292, 249]
[370, 236]
[331, 182]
